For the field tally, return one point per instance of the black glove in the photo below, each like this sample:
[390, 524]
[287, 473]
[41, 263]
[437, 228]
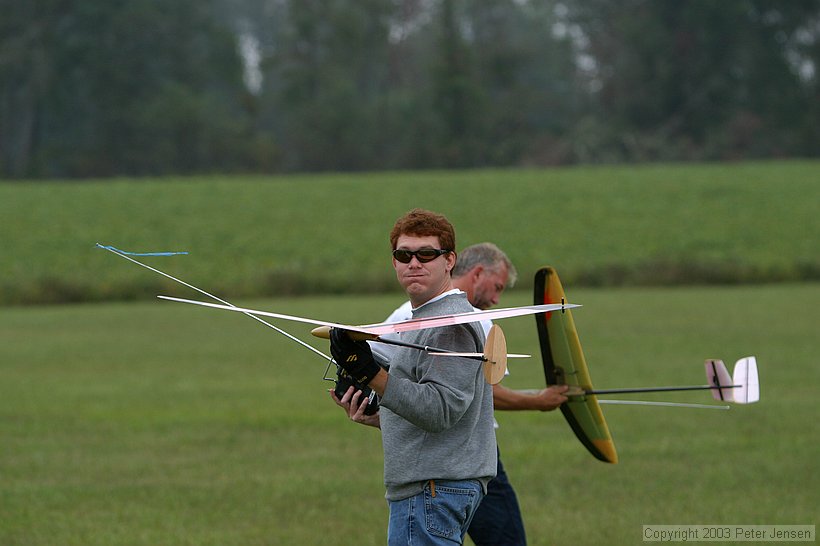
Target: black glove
[344, 382]
[354, 357]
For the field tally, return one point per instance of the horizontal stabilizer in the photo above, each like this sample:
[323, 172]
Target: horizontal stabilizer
[745, 376]
[718, 377]
[453, 353]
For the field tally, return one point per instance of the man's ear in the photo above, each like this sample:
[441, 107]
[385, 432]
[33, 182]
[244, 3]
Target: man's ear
[476, 272]
[451, 261]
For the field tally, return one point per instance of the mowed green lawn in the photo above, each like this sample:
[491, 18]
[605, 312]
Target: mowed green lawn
[269, 236]
[156, 423]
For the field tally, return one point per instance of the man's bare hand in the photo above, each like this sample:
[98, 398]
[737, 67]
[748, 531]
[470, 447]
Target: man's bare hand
[550, 398]
[539, 400]
[354, 403]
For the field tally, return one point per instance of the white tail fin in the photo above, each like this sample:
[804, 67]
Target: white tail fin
[745, 375]
[718, 376]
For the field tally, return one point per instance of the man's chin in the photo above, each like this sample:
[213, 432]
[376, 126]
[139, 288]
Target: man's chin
[415, 289]
[413, 284]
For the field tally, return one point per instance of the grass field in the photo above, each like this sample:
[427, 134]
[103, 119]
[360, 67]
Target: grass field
[264, 236]
[153, 423]
[148, 423]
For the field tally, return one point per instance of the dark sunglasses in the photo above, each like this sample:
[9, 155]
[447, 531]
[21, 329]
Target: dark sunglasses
[424, 255]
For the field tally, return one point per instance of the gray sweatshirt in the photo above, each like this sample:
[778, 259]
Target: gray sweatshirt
[437, 412]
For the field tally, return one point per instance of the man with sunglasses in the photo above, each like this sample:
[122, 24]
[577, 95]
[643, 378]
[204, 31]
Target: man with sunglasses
[436, 412]
[482, 271]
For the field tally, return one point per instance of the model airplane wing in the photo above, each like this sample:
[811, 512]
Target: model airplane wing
[394, 327]
[461, 318]
[564, 364]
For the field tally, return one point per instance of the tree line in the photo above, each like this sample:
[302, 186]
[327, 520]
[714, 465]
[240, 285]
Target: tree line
[93, 88]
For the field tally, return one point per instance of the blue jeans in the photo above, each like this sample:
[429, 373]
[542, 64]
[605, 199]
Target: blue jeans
[497, 521]
[434, 519]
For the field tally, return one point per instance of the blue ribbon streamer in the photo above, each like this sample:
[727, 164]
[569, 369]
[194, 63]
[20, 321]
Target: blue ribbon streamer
[106, 247]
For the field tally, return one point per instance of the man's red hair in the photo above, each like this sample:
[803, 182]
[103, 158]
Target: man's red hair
[424, 223]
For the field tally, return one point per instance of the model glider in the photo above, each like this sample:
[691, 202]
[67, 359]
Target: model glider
[378, 329]
[564, 364]
[495, 359]
[494, 355]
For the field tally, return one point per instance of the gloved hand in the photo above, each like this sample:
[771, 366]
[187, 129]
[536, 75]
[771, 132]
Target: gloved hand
[344, 382]
[354, 357]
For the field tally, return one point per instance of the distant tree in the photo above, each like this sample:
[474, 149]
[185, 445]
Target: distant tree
[325, 82]
[525, 78]
[24, 78]
[105, 87]
[114, 87]
[413, 83]
[699, 79]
